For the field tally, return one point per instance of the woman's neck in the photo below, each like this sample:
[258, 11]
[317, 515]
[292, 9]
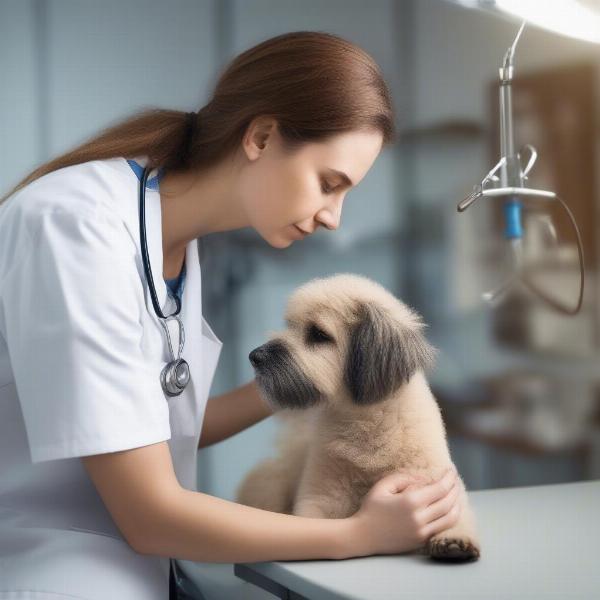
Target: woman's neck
[194, 205]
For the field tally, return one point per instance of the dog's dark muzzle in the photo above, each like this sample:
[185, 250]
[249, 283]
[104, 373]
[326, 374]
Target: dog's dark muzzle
[280, 378]
[272, 358]
[267, 354]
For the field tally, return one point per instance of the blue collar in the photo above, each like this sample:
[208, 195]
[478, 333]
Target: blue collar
[139, 170]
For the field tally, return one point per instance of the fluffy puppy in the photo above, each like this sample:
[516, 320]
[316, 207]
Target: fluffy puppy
[347, 381]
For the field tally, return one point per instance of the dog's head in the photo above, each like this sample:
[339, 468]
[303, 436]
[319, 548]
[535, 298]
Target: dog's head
[347, 337]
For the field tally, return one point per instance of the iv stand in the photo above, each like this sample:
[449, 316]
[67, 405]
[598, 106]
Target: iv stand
[511, 180]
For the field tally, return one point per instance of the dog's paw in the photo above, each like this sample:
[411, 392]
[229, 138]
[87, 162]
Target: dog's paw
[452, 549]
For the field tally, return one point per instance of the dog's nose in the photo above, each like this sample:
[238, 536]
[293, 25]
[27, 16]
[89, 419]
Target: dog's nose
[264, 354]
[258, 356]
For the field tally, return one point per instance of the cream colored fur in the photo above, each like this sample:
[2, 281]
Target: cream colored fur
[332, 452]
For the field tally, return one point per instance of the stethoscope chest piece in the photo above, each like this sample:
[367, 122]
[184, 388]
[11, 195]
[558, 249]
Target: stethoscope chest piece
[175, 376]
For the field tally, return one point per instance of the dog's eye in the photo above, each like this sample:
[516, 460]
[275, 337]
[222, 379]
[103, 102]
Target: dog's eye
[317, 336]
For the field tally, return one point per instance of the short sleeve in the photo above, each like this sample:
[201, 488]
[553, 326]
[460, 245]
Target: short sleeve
[74, 332]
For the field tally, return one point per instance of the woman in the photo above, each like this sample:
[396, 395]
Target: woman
[97, 465]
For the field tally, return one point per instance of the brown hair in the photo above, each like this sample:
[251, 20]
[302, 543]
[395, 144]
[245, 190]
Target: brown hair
[315, 85]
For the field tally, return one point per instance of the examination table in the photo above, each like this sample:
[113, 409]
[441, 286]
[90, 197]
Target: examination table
[536, 542]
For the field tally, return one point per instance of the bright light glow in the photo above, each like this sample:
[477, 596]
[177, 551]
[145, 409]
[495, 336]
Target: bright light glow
[567, 17]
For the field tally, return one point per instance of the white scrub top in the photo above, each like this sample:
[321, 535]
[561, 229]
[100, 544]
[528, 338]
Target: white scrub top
[81, 351]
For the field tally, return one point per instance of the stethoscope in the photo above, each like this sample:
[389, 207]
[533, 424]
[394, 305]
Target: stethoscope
[176, 373]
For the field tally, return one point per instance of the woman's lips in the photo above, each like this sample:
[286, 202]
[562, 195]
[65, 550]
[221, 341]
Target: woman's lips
[302, 233]
[300, 230]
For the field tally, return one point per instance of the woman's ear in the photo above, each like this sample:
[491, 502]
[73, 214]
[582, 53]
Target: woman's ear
[383, 355]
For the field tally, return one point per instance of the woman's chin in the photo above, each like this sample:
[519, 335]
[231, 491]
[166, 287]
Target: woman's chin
[280, 241]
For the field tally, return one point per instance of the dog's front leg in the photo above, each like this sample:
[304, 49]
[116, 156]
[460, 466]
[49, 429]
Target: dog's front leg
[323, 506]
[459, 542]
[325, 493]
[268, 486]
[310, 500]
[312, 508]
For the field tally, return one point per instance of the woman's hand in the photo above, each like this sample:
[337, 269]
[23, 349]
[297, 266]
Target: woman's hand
[401, 512]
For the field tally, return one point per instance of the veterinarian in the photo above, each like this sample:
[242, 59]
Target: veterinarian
[106, 360]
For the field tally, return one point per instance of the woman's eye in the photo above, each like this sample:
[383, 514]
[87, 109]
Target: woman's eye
[326, 188]
[316, 335]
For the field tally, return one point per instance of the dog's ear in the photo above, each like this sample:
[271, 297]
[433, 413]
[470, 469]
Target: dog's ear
[383, 355]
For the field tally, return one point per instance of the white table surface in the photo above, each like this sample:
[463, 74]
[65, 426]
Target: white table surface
[536, 542]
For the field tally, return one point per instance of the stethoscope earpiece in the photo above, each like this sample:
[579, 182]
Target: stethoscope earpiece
[176, 374]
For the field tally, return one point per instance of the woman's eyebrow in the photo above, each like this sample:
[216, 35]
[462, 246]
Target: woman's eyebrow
[344, 177]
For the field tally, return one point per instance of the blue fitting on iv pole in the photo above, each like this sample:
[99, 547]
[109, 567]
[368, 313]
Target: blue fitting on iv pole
[512, 217]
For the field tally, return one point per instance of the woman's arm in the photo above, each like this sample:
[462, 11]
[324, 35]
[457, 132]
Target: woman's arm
[203, 528]
[232, 412]
[159, 517]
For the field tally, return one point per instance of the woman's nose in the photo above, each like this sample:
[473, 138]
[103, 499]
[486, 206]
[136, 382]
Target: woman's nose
[330, 218]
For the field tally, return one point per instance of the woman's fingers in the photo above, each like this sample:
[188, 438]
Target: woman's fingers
[427, 494]
[442, 506]
[446, 521]
[396, 482]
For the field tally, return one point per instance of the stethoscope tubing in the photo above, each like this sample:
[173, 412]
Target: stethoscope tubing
[175, 375]
[145, 257]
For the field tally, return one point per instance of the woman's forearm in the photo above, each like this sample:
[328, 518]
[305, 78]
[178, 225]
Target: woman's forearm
[204, 528]
[232, 412]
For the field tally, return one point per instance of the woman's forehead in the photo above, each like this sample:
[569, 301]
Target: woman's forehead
[351, 153]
